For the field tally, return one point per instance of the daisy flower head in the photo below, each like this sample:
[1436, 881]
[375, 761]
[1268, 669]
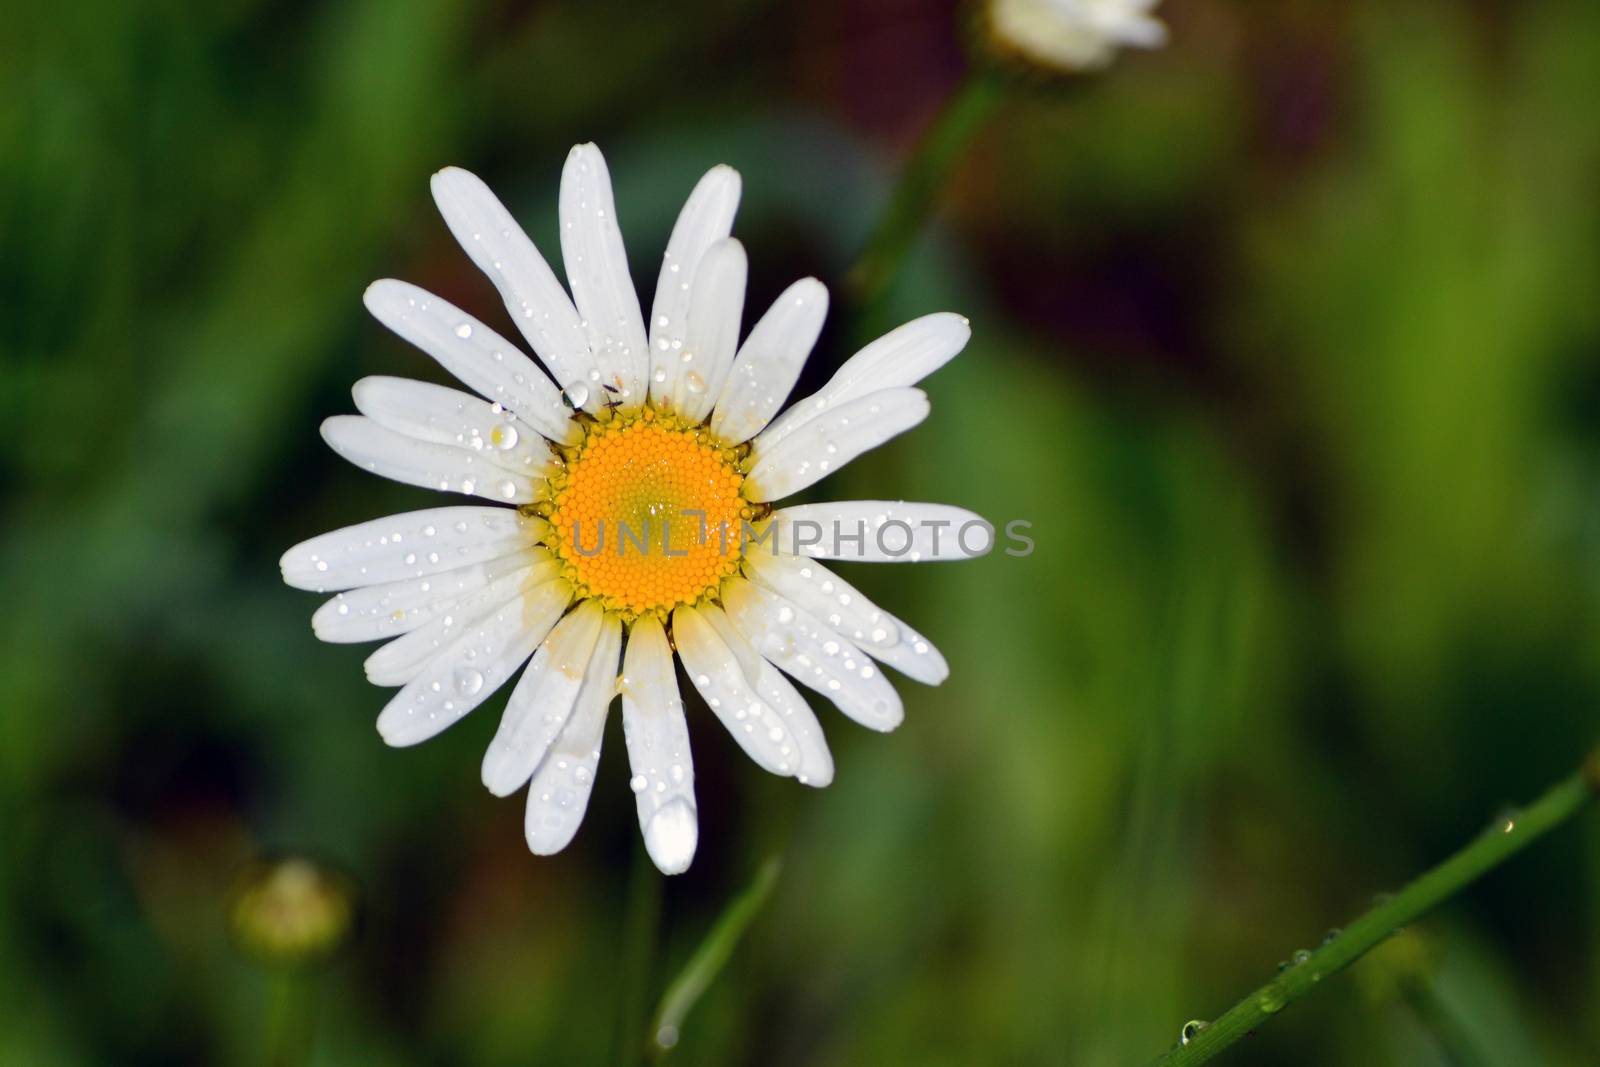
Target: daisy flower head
[629, 512]
[1069, 36]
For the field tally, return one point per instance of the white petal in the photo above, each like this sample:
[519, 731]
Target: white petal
[394, 608]
[542, 700]
[903, 356]
[402, 659]
[671, 835]
[658, 748]
[559, 792]
[406, 459]
[824, 444]
[716, 302]
[816, 762]
[882, 531]
[1141, 32]
[714, 668]
[482, 359]
[913, 656]
[597, 270]
[538, 304]
[411, 545]
[747, 658]
[813, 654]
[480, 661]
[827, 596]
[449, 417]
[769, 361]
[706, 218]
[850, 614]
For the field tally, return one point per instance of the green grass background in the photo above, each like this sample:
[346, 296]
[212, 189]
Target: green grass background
[1286, 340]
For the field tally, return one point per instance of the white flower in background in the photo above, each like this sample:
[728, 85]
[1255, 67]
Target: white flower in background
[1073, 35]
[647, 426]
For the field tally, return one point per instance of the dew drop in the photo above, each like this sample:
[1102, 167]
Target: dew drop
[468, 681]
[504, 437]
[1191, 1030]
[694, 383]
[576, 395]
[464, 330]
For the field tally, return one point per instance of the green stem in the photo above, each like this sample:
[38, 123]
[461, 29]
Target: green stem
[289, 1019]
[641, 930]
[1504, 839]
[968, 108]
[709, 959]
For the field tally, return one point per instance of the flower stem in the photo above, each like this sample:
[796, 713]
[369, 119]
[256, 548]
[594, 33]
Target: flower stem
[1509, 835]
[289, 1019]
[640, 931]
[968, 108]
[709, 959]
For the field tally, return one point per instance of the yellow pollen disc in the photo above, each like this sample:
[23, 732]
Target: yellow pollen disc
[625, 514]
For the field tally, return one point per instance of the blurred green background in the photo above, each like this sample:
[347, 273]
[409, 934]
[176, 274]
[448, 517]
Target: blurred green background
[1286, 341]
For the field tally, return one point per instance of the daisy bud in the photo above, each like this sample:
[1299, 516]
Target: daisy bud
[291, 911]
[1067, 36]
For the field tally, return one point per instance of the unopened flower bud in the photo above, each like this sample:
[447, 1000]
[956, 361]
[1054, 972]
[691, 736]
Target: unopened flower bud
[291, 911]
[1067, 36]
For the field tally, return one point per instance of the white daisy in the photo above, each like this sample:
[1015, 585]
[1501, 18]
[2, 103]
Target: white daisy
[1073, 35]
[618, 504]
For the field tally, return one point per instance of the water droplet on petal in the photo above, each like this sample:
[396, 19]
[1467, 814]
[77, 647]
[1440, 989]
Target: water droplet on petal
[576, 395]
[468, 681]
[464, 330]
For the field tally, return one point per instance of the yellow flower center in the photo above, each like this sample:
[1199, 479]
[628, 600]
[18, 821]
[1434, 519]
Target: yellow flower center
[647, 513]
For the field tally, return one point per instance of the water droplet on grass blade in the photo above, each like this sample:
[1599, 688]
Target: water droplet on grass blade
[1272, 998]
